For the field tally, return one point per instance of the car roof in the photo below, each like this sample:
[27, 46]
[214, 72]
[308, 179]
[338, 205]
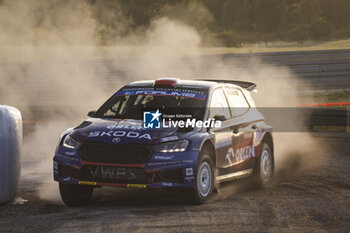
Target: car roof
[200, 84]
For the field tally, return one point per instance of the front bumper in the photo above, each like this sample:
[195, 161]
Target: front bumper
[161, 170]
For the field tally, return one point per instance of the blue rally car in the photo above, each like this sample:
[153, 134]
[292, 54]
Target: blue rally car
[167, 133]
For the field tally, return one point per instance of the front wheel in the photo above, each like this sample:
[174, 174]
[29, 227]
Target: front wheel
[204, 179]
[74, 194]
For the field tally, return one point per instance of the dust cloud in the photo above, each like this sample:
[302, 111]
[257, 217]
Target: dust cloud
[54, 70]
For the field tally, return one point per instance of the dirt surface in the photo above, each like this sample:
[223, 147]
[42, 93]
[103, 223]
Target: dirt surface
[314, 201]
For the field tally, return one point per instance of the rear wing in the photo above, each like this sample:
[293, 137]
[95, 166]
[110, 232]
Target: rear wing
[246, 85]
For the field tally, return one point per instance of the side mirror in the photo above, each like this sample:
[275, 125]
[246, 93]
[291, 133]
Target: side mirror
[220, 118]
[91, 113]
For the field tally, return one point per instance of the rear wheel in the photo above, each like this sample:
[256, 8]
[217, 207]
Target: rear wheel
[75, 195]
[204, 178]
[264, 167]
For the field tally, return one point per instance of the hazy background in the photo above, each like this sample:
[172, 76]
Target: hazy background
[60, 59]
[233, 23]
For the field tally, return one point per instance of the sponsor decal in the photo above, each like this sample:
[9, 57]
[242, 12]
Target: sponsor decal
[189, 179]
[241, 154]
[187, 161]
[159, 157]
[112, 133]
[122, 126]
[69, 153]
[163, 93]
[87, 182]
[136, 186]
[112, 173]
[223, 139]
[167, 139]
[189, 171]
[151, 120]
[165, 163]
[167, 184]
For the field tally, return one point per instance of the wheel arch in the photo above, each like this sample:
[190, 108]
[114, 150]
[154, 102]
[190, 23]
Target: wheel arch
[209, 144]
[269, 140]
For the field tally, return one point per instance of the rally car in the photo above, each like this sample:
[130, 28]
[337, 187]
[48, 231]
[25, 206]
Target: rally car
[189, 134]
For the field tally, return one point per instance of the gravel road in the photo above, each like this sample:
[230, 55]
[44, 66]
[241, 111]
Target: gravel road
[317, 200]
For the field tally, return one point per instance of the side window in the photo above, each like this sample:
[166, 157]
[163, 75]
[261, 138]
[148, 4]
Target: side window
[237, 101]
[219, 105]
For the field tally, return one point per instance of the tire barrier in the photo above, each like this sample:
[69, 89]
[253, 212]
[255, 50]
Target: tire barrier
[330, 120]
[308, 119]
[10, 152]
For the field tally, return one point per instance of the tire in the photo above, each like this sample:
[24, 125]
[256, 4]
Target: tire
[75, 195]
[264, 167]
[205, 180]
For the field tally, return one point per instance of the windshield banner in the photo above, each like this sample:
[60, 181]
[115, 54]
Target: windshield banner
[165, 92]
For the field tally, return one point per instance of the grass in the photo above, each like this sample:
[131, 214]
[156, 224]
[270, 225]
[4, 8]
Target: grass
[280, 47]
[336, 97]
[328, 97]
[25, 53]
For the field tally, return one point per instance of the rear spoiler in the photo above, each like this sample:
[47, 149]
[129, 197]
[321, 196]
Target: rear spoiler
[246, 85]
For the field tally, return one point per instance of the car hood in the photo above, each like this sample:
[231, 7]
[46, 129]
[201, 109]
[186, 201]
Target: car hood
[121, 131]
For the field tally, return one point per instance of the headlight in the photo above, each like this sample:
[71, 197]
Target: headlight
[176, 146]
[70, 142]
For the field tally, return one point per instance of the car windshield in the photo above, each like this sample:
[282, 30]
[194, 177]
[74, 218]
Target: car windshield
[130, 103]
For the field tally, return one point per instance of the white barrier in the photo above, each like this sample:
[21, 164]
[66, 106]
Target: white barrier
[10, 151]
